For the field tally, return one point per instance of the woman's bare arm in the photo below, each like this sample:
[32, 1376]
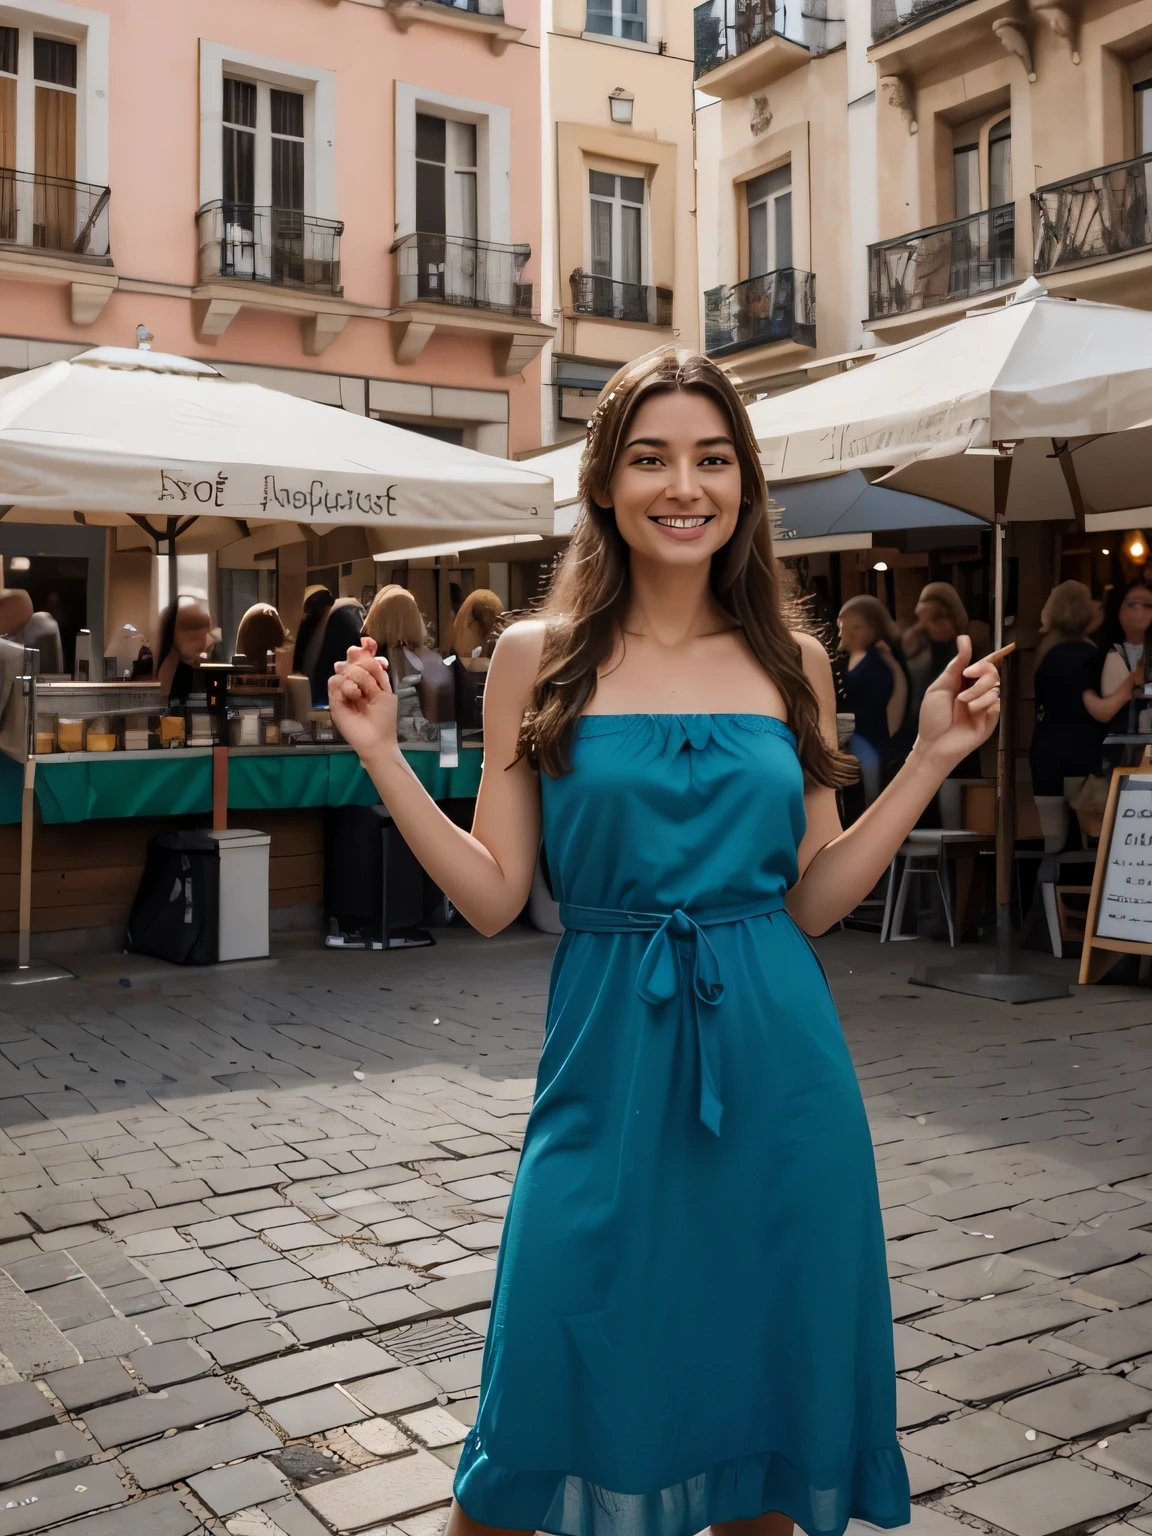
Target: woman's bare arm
[838, 868]
[898, 703]
[486, 873]
[1103, 708]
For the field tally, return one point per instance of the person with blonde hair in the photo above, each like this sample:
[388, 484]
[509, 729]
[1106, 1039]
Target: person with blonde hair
[472, 632]
[397, 626]
[1066, 739]
[875, 687]
[698, 1150]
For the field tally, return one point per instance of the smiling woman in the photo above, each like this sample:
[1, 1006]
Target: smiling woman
[697, 1149]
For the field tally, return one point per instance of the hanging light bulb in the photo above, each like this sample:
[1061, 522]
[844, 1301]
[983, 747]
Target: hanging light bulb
[1136, 545]
[881, 565]
[1105, 551]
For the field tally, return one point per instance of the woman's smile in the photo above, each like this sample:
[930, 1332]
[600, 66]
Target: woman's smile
[681, 527]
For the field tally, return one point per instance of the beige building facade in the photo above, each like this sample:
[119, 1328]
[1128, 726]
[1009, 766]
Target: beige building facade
[618, 269]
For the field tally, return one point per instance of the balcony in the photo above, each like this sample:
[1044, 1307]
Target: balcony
[52, 214]
[739, 47]
[892, 16]
[458, 284]
[942, 265]
[761, 311]
[269, 245]
[451, 269]
[1089, 218]
[484, 18]
[54, 230]
[635, 303]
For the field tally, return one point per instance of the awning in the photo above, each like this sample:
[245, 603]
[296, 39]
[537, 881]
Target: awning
[844, 512]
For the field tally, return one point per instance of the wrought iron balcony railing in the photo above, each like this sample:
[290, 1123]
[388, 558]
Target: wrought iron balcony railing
[725, 28]
[1103, 213]
[639, 303]
[269, 245]
[51, 213]
[454, 269]
[949, 261]
[778, 306]
[477, 7]
[892, 16]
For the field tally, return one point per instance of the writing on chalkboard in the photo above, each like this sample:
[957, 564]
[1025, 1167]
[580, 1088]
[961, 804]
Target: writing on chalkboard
[1126, 895]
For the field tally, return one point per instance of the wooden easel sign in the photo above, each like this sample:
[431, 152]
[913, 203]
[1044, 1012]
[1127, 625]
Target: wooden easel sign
[1120, 911]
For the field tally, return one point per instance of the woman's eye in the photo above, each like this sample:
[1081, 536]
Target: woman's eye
[715, 458]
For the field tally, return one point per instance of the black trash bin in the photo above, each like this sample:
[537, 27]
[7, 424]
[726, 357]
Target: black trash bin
[376, 895]
[176, 913]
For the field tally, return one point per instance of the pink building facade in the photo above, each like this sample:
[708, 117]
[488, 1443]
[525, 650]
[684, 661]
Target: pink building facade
[340, 198]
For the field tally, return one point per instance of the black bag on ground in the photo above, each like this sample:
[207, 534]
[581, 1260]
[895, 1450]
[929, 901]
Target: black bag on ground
[376, 894]
[176, 913]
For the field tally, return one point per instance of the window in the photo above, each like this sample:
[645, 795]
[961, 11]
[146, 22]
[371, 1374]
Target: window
[617, 18]
[1000, 163]
[263, 146]
[1142, 94]
[617, 226]
[966, 180]
[769, 200]
[446, 167]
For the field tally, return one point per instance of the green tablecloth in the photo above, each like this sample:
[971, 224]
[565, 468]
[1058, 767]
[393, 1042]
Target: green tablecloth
[176, 784]
[164, 784]
[265, 781]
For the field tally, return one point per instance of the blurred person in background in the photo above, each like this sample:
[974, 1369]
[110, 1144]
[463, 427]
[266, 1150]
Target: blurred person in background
[931, 644]
[261, 630]
[473, 633]
[1123, 667]
[184, 641]
[1066, 739]
[875, 687]
[396, 624]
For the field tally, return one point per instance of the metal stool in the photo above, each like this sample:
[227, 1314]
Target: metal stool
[925, 856]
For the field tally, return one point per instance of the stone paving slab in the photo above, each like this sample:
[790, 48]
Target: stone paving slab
[974, 1443]
[46, 1501]
[165, 1515]
[322, 1367]
[998, 1371]
[1044, 1500]
[1129, 1454]
[1084, 1405]
[400, 1487]
[176, 1457]
[1105, 1341]
[55, 1448]
[178, 1407]
[22, 1407]
[313, 1412]
[228, 1489]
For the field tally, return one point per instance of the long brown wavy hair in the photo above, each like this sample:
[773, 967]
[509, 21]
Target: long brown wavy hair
[587, 602]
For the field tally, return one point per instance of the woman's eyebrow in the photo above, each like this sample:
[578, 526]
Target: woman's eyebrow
[659, 442]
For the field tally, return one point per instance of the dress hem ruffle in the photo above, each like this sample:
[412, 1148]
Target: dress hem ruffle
[871, 1486]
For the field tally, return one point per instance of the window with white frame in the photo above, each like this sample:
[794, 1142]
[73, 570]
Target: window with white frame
[38, 125]
[769, 202]
[617, 208]
[263, 182]
[446, 172]
[618, 18]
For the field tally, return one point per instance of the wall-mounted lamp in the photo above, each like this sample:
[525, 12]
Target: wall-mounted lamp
[620, 104]
[1136, 545]
[20, 563]
[881, 565]
[1105, 551]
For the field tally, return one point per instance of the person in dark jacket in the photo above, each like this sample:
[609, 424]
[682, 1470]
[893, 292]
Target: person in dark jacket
[1066, 739]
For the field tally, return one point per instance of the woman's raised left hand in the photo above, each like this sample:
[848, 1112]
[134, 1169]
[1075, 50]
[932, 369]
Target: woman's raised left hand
[962, 707]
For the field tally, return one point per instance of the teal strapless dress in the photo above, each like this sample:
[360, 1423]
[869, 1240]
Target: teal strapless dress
[691, 1320]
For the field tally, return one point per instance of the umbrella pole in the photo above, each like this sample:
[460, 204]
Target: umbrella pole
[1003, 984]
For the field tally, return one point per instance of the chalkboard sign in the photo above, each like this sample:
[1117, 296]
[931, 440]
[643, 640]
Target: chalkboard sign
[1120, 911]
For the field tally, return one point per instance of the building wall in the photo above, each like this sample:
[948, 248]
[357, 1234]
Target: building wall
[155, 104]
[582, 71]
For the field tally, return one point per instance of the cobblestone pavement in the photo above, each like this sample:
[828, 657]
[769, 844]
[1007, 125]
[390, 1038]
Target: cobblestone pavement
[248, 1222]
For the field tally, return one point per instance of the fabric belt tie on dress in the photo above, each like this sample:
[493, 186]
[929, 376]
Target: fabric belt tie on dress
[658, 979]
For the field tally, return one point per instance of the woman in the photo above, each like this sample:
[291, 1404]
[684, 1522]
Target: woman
[930, 644]
[185, 640]
[397, 627]
[698, 1149]
[261, 630]
[1123, 669]
[329, 626]
[875, 688]
[474, 628]
[317, 601]
[1066, 738]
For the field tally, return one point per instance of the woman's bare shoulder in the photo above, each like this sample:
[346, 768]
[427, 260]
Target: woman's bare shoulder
[813, 656]
[516, 658]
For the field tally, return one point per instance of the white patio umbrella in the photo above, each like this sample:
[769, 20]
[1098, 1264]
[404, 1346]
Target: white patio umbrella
[1040, 409]
[143, 434]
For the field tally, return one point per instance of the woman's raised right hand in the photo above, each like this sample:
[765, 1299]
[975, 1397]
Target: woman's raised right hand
[361, 699]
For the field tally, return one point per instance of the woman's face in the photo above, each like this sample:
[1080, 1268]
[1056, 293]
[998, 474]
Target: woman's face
[676, 485]
[192, 626]
[936, 622]
[855, 632]
[1136, 613]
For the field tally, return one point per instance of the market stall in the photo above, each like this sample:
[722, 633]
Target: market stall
[169, 451]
